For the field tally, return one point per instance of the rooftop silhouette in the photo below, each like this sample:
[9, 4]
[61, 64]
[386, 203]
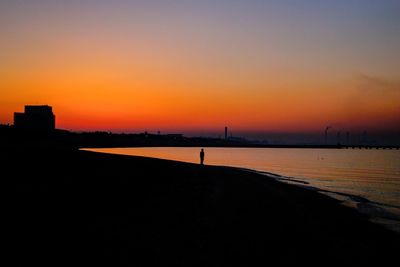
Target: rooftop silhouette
[35, 118]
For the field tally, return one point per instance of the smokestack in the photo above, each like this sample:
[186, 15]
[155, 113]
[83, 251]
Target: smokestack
[226, 132]
[326, 134]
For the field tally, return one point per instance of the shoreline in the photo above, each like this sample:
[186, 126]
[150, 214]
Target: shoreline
[361, 204]
[96, 208]
[378, 212]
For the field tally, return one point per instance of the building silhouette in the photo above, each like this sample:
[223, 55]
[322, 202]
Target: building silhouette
[35, 118]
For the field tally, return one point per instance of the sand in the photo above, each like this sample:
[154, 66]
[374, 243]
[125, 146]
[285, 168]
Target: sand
[78, 207]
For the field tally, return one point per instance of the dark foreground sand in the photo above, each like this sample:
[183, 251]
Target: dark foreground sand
[77, 207]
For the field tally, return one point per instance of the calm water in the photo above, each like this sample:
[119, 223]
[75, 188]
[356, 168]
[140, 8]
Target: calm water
[368, 180]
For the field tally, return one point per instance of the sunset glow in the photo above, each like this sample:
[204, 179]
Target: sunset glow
[132, 66]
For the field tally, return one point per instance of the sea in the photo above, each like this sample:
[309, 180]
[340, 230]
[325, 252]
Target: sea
[365, 179]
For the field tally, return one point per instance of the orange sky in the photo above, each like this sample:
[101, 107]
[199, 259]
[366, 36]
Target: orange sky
[109, 68]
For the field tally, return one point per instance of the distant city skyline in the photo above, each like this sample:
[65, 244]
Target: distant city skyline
[261, 68]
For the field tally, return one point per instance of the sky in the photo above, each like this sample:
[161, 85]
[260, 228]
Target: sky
[197, 66]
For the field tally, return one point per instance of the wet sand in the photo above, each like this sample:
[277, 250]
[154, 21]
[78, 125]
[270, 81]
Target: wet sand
[79, 207]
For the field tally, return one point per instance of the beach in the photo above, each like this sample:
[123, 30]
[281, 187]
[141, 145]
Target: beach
[65, 206]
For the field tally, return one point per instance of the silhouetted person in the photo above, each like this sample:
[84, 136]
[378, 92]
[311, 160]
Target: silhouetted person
[202, 156]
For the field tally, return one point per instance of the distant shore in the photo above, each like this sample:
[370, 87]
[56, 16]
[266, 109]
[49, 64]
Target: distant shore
[64, 138]
[68, 206]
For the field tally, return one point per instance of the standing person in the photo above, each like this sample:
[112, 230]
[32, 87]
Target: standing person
[202, 156]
